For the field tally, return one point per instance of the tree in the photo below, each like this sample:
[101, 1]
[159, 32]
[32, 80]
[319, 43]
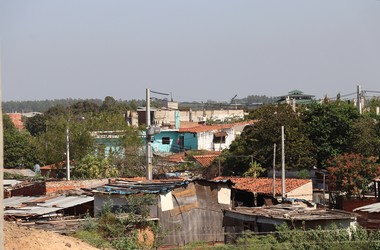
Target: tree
[84, 107]
[92, 166]
[351, 173]
[110, 105]
[364, 137]
[18, 147]
[36, 125]
[328, 127]
[258, 139]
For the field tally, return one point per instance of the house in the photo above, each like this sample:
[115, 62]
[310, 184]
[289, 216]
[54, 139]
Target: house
[296, 97]
[188, 211]
[169, 115]
[265, 219]
[16, 119]
[198, 137]
[250, 192]
[108, 141]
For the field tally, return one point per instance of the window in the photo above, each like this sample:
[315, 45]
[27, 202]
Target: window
[165, 140]
[219, 137]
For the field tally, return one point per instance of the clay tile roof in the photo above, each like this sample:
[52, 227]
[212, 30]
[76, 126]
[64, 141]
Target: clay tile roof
[53, 166]
[179, 157]
[264, 185]
[206, 160]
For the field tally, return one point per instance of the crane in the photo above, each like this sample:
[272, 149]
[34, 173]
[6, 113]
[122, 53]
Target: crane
[233, 101]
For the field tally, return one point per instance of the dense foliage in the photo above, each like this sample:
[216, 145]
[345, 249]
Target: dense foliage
[351, 173]
[45, 137]
[313, 134]
[333, 238]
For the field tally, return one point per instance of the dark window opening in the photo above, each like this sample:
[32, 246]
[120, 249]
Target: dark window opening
[219, 139]
[165, 140]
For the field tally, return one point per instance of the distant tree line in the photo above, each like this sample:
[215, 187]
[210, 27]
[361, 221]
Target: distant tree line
[44, 105]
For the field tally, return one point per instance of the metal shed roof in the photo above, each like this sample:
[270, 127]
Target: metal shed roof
[36, 206]
[372, 208]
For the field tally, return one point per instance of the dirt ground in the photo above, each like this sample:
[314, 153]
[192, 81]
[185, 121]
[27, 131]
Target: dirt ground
[23, 238]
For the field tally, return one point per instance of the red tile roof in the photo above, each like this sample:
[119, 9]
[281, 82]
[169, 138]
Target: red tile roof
[53, 166]
[179, 157]
[16, 118]
[264, 185]
[206, 160]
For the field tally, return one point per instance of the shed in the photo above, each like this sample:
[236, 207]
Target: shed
[265, 219]
[188, 211]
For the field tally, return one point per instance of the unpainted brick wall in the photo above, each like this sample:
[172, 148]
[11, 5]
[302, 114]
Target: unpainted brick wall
[56, 186]
[34, 189]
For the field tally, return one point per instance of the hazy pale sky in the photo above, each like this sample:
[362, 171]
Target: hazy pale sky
[198, 50]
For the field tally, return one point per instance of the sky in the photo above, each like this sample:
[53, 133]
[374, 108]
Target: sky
[195, 50]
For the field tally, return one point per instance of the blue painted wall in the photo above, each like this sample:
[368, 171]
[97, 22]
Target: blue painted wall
[172, 147]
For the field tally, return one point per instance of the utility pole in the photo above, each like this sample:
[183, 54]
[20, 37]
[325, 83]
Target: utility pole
[283, 188]
[67, 154]
[1, 168]
[359, 98]
[149, 170]
[274, 170]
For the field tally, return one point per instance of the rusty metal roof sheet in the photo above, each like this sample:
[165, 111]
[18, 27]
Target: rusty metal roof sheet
[372, 208]
[135, 187]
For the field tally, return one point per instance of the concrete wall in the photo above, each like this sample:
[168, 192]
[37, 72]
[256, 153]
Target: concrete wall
[173, 146]
[197, 115]
[205, 140]
[303, 192]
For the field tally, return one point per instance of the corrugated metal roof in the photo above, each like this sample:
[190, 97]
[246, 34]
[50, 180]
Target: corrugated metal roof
[24, 171]
[17, 200]
[292, 212]
[372, 208]
[135, 187]
[11, 182]
[36, 206]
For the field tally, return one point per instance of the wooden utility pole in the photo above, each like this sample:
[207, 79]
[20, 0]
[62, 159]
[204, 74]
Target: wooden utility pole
[274, 170]
[1, 166]
[149, 170]
[283, 188]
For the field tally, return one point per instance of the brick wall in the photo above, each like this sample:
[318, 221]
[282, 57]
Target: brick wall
[32, 189]
[350, 204]
[56, 186]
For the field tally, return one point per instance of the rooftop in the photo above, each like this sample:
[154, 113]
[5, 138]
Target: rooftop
[140, 185]
[31, 206]
[291, 213]
[264, 185]
[207, 159]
